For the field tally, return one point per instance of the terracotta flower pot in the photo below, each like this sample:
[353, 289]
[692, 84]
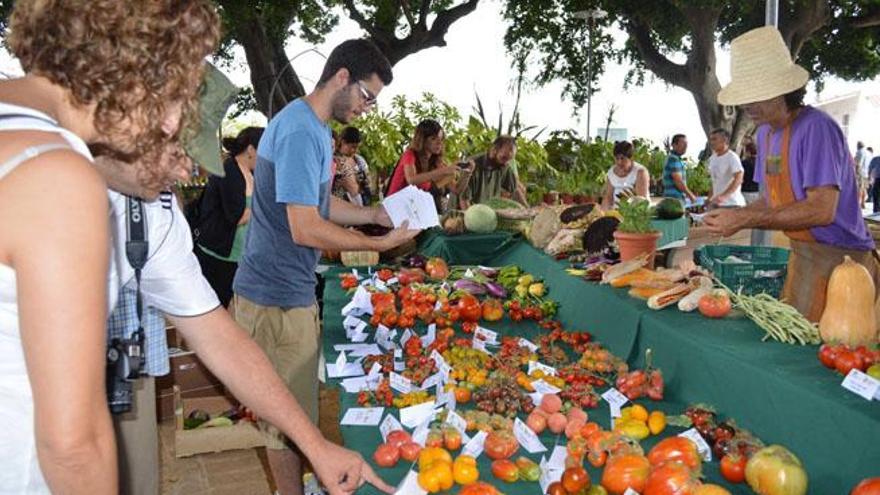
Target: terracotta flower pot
[567, 199]
[632, 245]
[581, 199]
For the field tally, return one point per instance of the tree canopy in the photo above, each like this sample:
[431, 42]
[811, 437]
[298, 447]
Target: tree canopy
[674, 40]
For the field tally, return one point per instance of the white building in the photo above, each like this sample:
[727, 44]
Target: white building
[858, 115]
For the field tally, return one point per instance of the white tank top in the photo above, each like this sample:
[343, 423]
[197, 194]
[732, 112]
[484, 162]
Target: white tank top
[19, 467]
[620, 184]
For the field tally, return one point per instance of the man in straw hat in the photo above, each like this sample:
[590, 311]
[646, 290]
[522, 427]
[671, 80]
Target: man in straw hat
[803, 162]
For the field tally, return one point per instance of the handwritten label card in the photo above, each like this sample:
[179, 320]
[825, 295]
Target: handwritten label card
[861, 384]
[702, 447]
[400, 383]
[527, 438]
[413, 416]
[486, 335]
[528, 344]
[474, 447]
[432, 381]
[615, 400]
[363, 416]
[389, 424]
[548, 475]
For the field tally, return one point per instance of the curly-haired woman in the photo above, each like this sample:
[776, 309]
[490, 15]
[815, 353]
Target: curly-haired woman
[103, 77]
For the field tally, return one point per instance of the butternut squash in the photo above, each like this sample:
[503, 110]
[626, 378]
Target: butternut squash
[849, 306]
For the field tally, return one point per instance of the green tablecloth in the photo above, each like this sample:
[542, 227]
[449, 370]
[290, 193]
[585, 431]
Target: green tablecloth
[671, 230]
[779, 392]
[466, 249]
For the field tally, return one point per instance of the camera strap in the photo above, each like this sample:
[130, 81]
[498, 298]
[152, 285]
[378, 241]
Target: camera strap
[137, 251]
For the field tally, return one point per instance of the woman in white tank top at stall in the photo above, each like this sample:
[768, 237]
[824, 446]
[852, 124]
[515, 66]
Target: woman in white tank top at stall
[626, 178]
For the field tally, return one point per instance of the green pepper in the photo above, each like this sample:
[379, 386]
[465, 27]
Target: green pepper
[528, 469]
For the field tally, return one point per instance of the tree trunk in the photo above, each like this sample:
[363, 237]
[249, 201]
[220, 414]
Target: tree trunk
[274, 80]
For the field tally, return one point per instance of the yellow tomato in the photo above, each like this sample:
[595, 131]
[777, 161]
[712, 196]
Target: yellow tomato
[639, 412]
[656, 422]
[464, 470]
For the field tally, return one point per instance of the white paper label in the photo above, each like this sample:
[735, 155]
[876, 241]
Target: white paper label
[415, 415]
[474, 447]
[615, 400]
[486, 335]
[352, 322]
[400, 383]
[429, 337]
[354, 272]
[399, 366]
[391, 281]
[363, 416]
[702, 447]
[469, 273]
[557, 458]
[340, 363]
[527, 438]
[457, 422]
[446, 398]
[375, 370]
[389, 424]
[442, 367]
[355, 385]
[360, 303]
[420, 434]
[535, 365]
[431, 381]
[349, 369]
[861, 384]
[407, 334]
[480, 346]
[410, 485]
[548, 475]
[362, 350]
[544, 388]
[398, 353]
[383, 337]
[528, 344]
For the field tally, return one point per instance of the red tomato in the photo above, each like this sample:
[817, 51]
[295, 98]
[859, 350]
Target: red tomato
[865, 355]
[469, 308]
[575, 479]
[733, 468]
[386, 455]
[556, 488]
[847, 360]
[410, 451]
[716, 304]
[827, 353]
[500, 445]
[672, 478]
[397, 438]
[505, 470]
[868, 486]
[676, 449]
[625, 471]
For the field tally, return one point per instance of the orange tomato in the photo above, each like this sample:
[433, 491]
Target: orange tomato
[626, 471]
[462, 395]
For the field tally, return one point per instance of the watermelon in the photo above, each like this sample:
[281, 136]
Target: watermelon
[669, 209]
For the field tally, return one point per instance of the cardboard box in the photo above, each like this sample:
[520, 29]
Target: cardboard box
[242, 435]
[192, 378]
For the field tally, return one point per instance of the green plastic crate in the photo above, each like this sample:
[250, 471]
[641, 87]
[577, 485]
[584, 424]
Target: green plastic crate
[764, 269]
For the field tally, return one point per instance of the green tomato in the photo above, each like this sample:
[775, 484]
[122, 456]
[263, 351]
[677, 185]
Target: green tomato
[874, 371]
[597, 490]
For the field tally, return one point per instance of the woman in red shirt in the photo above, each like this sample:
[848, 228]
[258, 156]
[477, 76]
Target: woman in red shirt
[422, 163]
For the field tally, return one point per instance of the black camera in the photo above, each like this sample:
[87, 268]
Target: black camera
[125, 360]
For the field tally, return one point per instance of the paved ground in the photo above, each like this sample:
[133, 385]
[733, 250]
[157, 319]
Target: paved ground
[238, 472]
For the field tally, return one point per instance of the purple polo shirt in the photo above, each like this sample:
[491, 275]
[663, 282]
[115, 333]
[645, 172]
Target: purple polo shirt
[818, 156]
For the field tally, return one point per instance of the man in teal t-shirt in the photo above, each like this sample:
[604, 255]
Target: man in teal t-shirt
[674, 173]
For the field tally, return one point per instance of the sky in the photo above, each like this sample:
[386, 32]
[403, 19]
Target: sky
[475, 61]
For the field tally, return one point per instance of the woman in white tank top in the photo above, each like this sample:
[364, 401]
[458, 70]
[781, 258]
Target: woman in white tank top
[86, 82]
[626, 178]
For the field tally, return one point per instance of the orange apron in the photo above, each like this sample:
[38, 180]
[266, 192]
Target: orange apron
[810, 263]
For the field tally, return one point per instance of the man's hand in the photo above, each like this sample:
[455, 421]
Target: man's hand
[725, 222]
[343, 471]
[380, 217]
[397, 237]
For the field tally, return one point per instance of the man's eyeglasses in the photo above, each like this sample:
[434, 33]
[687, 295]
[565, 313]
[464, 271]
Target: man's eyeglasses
[369, 99]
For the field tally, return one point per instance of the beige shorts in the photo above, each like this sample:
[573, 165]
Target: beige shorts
[291, 339]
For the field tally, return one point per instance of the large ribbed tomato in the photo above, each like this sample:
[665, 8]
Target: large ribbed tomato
[869, 486]
[625, 471]
[676, 449]
[672, 478]
[500, 445]
[469, 308]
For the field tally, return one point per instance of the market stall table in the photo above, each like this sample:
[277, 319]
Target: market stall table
[779, 392]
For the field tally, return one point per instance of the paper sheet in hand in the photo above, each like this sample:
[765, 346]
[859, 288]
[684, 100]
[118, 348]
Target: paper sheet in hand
[363, 416]
[414, 205]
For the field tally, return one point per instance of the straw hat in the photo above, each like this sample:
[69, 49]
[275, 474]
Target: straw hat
[761, 68]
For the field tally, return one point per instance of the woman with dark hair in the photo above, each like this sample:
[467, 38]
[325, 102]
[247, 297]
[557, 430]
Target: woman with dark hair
[349, 178]
[626, 178]
[226, 211]
[107, 78]
[422, 164]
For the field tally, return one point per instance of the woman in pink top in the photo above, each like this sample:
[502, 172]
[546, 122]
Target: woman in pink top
[422, 163]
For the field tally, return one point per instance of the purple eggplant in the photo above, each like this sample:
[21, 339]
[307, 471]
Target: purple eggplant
[496, 290]
[488, 272]
[470, 286]
[416, 261]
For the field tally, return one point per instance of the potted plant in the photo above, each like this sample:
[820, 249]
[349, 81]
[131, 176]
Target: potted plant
[635, 235]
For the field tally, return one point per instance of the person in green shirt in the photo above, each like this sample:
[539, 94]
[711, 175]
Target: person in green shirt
[493, 174]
